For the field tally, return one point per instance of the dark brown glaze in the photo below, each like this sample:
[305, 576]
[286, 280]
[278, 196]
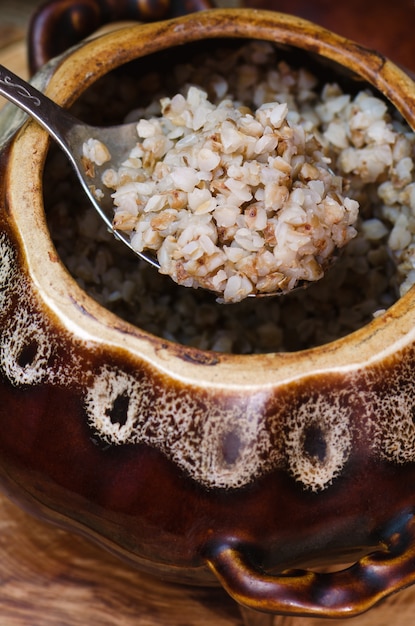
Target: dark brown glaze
[297, 508]
[58, 25]
[344, 593]
[138, 503]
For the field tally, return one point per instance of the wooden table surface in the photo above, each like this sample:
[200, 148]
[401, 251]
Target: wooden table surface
[49, 577]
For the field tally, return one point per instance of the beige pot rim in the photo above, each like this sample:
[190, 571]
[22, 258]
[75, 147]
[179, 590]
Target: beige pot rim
[381, 339]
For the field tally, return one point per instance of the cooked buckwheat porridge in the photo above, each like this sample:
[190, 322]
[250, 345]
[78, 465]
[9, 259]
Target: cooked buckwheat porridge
[248, 173]
[235, 201]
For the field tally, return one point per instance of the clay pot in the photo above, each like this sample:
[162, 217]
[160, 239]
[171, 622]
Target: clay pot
[204, 467]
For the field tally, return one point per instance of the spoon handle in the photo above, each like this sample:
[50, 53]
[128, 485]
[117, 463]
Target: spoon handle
[53, 118]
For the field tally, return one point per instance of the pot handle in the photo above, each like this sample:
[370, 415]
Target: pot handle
[343, 593]
[59, 24]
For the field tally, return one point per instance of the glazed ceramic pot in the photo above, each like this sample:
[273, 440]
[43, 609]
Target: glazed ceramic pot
[204, 467]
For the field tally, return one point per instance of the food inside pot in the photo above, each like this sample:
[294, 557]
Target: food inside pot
[368, 148]
[236, 201]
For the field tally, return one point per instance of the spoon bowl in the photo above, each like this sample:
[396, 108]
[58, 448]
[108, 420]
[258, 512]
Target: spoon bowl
[118, 141]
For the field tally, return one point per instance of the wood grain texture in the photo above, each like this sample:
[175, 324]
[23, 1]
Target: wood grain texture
[50, 577]
[13, 56]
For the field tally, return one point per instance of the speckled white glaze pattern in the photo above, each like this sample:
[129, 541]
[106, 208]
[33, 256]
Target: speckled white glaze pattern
[224, 442]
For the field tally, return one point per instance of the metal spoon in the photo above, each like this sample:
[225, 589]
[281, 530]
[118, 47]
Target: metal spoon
[70, 134]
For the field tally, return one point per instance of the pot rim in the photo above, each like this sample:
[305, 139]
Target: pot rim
[82, 66]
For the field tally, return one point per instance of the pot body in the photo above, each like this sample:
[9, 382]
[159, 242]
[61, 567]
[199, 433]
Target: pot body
[191, 464]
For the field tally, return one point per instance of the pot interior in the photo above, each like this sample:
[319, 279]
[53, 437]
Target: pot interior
[362, 284]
